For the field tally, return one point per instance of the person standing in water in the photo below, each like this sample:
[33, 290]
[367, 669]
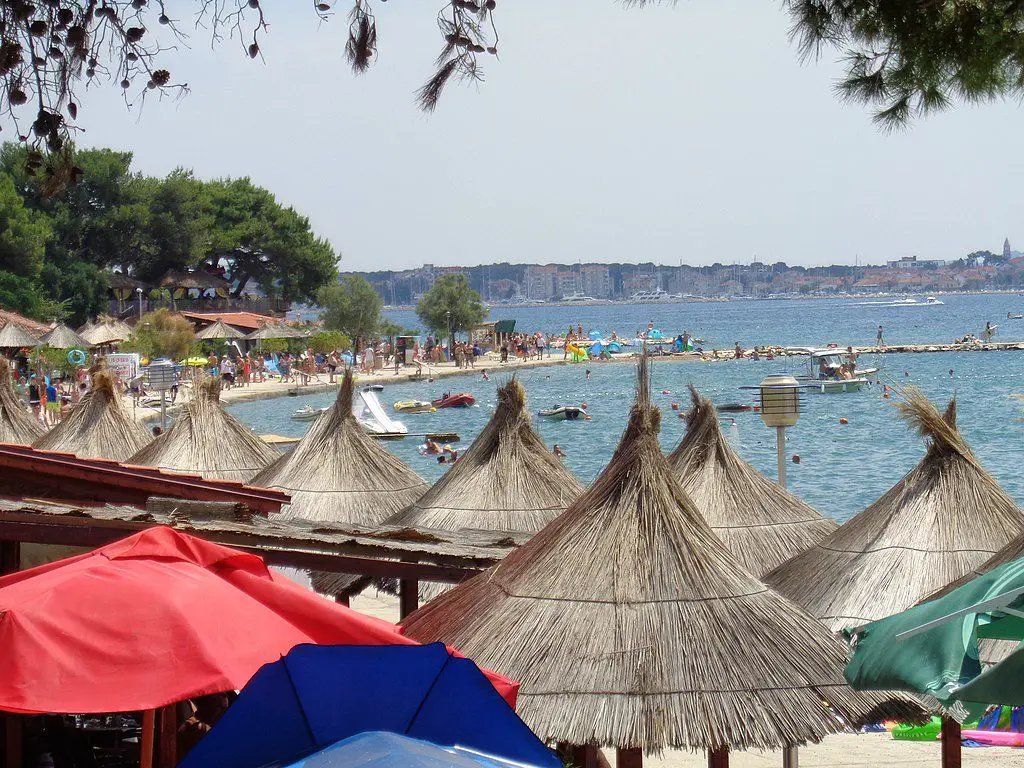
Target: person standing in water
[879, 341]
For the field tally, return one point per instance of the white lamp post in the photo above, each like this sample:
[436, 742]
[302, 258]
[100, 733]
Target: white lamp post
[780, 408]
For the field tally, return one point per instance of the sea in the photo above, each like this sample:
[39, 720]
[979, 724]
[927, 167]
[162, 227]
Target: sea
[842, 467]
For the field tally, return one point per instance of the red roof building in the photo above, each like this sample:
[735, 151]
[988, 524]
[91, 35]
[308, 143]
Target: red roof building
[246, 322]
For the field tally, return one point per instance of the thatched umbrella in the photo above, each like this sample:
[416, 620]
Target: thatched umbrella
[940, 521]
[208, 440]
[759, 521]
[630, 625]
[337, 473]
[280, 331]
[13, 336]
[62, 337]
[17, 425]
[219, 331]
[98, 426]
[106, 330]
[507, 480]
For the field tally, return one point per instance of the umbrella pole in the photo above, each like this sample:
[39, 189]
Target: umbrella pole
[581, 756]
[629, 758]
[950, 743]
[146, 739]
[718, 758]
[341, 599]
[408, 596]
[790, 757]
[168, 746]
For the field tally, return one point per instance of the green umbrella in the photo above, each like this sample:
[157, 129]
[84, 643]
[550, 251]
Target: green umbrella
[932, 648]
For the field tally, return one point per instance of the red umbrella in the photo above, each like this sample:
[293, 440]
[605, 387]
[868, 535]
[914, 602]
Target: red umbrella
[156, 618]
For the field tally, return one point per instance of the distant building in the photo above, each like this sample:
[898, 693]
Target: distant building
[1007, 253]
[540, 282]
[912, 262]
[597, 281]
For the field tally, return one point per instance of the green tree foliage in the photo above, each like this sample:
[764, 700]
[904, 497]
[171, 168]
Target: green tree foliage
[56, 249]
[907, 58]
[329, 341]
[163, 334]
[352, 307]
[451, 305]
[256, 238]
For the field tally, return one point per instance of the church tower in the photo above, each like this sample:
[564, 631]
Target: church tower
[1006, 248]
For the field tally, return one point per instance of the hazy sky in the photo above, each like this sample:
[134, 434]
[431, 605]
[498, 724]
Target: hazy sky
[677, 133]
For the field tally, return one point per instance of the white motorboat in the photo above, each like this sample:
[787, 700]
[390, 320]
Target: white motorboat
[825, 374]
[373, 417]
[307, 413]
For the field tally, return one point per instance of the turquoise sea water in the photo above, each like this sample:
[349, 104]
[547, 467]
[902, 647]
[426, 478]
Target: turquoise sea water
[843, 467]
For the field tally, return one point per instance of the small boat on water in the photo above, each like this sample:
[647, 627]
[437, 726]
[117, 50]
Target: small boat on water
[824, 374]
[563, 413]
[414, 406]
[307, 413]
[733, 408]
[456, 400]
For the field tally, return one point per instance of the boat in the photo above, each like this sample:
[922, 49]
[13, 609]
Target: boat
[650, 296]
[577, 298]
[307, 413]
[457, 400]
[1011, 316]
[929, 301]
[371, 415]
[563, 413]
[733, 408]
[414, 406]
[824, 374]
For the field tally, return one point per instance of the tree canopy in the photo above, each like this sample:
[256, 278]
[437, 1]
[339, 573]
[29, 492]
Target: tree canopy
[903, 57]
[351, 306]
[56, 250]
[451, 305]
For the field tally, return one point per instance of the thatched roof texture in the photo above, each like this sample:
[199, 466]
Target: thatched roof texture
[629, 624]
[759, 521]
[17, 424]
[13, 336]
[208, 440]
[98, 426]
[106, 330]
[62, 337]
[337, 473]
[507, 480]
[219, 330]
[940, 521]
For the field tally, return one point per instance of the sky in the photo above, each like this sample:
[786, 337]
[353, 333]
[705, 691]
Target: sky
[686, 132]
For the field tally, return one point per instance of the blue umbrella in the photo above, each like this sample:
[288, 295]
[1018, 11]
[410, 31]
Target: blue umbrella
[379, 749]
[595, 335]
[318, 695]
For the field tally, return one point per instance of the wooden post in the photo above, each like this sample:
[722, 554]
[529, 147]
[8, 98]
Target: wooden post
[790, 757]
[629, 758]
[950, 743]
[10, 557]
[408, 596]
[718, 757]
[341, 600]
[10, 562]
[146, 739]
[12, 741]
[167, 741]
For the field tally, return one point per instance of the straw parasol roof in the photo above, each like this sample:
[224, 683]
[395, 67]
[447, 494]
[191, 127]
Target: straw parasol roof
[759, 521]
[941, 520]
[507, 480]
[218, 330]
[276, 332]
[13, 336]
[98, 426]
[105, 330]
[629, 624]
[338, 474]
[17, 425]
[206, 439]
[62, 337]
